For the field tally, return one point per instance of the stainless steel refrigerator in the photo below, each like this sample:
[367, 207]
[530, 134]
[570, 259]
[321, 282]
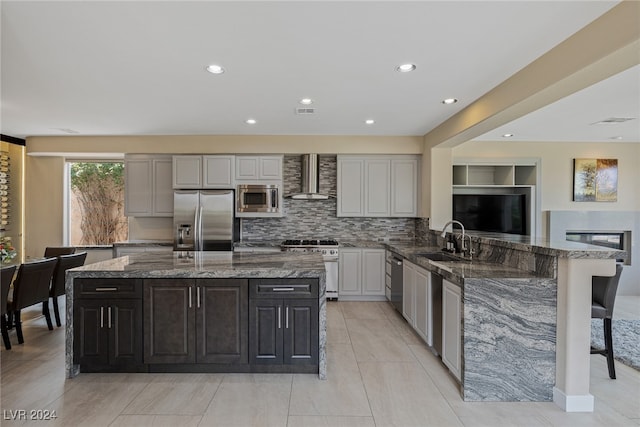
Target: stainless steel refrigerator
[203, 220]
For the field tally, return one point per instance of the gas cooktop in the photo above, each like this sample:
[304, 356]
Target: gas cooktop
[309, 242]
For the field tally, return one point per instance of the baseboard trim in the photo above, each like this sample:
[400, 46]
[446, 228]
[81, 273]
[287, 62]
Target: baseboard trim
[573, 403]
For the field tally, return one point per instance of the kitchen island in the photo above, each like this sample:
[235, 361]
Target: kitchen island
[524, 315]
[198, 312]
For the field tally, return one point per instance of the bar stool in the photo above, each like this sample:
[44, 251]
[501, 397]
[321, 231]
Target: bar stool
[603, 297]
[65, 262]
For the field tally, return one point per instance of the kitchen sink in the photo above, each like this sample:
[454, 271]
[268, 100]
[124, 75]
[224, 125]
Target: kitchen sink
[439, 256]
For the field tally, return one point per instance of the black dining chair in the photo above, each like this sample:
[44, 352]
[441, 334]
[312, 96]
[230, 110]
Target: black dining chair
[6, 277]
[603, 297]
[65, 262]
[54, 251]
[31, 287]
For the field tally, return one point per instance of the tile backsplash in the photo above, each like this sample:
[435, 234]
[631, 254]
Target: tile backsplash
[317, 218]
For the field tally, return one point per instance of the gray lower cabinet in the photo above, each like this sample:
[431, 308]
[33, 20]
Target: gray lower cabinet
[283, 322]
[108, 325]
[195, 321]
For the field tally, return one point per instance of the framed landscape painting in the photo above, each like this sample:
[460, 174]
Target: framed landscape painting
[595, 180]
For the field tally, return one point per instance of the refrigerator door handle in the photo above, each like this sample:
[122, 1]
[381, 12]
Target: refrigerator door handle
[200, 231]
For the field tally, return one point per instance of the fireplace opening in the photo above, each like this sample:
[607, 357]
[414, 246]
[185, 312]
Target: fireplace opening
[608, 239]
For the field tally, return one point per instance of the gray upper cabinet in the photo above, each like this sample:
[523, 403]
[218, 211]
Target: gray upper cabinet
[259, 168]
[187, 172]
[218, 171]
[203, 171]
[378, 186]
[148, 190]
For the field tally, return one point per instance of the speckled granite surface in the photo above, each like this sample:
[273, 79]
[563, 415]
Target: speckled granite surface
[205, 265]
[509, 339]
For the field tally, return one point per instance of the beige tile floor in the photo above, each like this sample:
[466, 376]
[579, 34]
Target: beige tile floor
[380, 374]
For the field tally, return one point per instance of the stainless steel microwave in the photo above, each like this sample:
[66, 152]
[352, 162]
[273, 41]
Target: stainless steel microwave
[258, 198]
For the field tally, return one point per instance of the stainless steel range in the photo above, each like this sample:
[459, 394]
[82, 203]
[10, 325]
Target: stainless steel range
[329, 251]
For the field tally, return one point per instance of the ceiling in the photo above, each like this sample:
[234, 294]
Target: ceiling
[138, 67]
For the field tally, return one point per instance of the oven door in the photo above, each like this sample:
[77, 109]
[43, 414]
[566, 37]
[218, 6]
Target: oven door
[258, 198]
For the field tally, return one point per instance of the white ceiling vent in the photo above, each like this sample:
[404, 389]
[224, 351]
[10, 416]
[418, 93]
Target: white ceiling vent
[613, 121]
[305, 110]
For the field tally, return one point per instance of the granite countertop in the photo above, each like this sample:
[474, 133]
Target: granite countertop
[207, 265]
[457, 271]
[144, 243]
[558, 248]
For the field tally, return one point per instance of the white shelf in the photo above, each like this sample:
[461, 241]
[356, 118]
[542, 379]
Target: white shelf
[494, 175]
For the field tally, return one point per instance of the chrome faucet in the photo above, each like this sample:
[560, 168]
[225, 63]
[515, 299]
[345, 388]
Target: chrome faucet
[463, 249]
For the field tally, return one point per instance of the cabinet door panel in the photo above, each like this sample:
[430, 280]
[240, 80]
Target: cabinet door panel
[350, 187]
[404, 188]
[408, 292]
[423, 316]
[162, 187]
[125, 337]
[350, 270]
[373, 264]
[377, 187]
[91, 340]
[139, 194]
[271, 168]
[169, 322]
[451, 324]
[301, 332]
[265, 320]
[187, 172]
[218, 171]
[247, 167]
[222, 321]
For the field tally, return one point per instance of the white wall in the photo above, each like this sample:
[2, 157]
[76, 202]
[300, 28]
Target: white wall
[557, 169]
[557, 184]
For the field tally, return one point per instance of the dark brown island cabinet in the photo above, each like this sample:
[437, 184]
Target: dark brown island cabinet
[283, 322]
[107, 317]
[196, 325]
[195, 321]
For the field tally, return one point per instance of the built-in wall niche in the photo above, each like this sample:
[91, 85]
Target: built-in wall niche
[609, 239]
[503, 175]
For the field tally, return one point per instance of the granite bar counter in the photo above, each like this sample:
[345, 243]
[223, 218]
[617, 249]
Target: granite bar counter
[256, 269]
[525, 315]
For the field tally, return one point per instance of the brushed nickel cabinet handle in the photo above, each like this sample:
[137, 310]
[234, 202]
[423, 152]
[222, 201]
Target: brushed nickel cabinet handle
[109, 316]
[283, 289]
[279, 317]
[190, 303]
[286, 317]
[106, 289]
[198, 296]
[102, 317]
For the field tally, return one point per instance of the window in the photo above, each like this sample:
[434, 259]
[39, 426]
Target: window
[96, 203]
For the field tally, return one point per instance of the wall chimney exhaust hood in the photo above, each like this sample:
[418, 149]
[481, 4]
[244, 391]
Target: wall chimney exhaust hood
[310, 180]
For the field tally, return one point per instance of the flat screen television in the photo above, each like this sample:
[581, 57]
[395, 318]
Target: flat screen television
[501, 213]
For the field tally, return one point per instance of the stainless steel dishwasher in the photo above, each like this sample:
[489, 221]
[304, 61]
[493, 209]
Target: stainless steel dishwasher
[396, 282]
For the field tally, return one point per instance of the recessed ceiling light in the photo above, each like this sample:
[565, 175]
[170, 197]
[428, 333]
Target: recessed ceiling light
[507, 135]
[616, 137]
[306, 101]
[449, 101]
[215, 69]
[405, 68]
[251, 121]
[369, 121]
